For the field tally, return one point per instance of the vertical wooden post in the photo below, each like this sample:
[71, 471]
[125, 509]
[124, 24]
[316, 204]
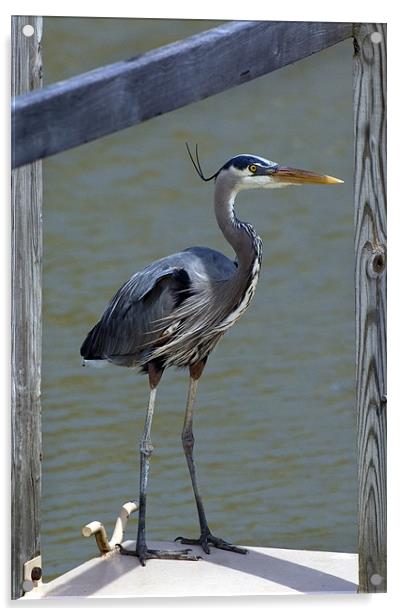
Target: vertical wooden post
[370, 288]
[26, 273]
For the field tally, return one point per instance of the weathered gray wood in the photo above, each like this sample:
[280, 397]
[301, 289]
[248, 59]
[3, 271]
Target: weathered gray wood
[110, 98]
[370, 289]
[26, 322]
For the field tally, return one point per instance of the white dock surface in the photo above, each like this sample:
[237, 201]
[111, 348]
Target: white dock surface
[262, 571]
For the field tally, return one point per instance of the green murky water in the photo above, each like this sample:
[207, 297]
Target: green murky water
[275, 425]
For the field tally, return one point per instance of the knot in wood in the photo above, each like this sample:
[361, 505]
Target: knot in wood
[377, 262]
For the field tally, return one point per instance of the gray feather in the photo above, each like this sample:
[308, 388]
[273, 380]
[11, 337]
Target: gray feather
[134, 321]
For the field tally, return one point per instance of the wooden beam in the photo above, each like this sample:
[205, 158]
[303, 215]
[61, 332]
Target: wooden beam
[26, 194]
[370, 289]
[111, 98]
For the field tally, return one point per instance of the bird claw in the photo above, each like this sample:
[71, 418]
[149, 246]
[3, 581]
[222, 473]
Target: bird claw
[207, 538]
[145, 553]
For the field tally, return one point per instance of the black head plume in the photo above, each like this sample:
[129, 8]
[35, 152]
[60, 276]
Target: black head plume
[197, 164]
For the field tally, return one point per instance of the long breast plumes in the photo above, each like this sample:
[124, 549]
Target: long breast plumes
[193, 330]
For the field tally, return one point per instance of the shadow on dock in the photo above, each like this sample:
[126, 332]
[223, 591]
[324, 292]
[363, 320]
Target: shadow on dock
[258, 572]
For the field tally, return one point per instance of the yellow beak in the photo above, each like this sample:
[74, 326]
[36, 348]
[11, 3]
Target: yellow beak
[289, 175]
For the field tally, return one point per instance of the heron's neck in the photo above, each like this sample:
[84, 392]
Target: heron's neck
[241, 236]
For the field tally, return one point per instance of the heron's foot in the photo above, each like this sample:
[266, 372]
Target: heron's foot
[206, 539]
[144, 553]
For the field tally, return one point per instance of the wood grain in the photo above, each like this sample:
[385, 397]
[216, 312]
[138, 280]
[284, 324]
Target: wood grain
[111, 98]
[26, 322]
[370, 290]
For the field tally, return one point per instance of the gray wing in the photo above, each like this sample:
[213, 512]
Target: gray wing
[128, 329]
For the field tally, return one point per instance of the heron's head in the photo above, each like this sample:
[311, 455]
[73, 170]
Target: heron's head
[249, 171]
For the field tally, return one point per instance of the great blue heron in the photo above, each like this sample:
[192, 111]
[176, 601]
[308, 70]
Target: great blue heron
[174, 312]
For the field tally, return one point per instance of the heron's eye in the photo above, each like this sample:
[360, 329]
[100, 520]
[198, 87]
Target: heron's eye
[252, 168]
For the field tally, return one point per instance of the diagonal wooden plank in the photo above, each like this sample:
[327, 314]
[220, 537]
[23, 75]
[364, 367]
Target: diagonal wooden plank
[111, 98]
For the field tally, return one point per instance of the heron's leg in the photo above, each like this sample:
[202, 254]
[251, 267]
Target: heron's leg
[146, 450]
[188, 440]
